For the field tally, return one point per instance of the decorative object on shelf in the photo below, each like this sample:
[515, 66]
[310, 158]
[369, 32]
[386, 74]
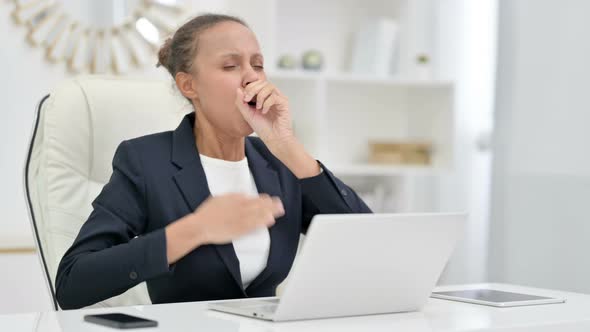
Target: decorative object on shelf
[312, 60]
[287, 61]
[414, 153]
[375, 47]
[114, 36]
[423, 68]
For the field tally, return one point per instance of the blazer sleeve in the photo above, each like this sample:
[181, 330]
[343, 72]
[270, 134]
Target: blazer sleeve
[325, 193]
[111, 252]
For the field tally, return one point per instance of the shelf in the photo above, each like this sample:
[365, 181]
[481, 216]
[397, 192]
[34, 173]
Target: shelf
[337, 111]
[354, 78]
[367, 169]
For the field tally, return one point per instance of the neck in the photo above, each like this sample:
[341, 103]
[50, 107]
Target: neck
[211, 142]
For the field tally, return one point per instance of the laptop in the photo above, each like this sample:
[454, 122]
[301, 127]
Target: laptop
[360, 264]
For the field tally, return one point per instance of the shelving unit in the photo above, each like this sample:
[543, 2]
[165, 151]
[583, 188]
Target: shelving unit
[354, 78]
[336, 117]
[336, 113]
[367, 169]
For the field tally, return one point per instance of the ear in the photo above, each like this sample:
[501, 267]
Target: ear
[184, 82]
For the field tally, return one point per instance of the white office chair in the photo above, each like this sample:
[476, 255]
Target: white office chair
[77, 129]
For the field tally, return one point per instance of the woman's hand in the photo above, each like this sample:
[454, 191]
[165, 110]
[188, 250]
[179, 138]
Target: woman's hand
[220, 220]
[266, 110]
[224, 218]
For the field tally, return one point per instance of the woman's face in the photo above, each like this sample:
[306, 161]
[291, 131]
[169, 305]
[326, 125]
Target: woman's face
[228, 57]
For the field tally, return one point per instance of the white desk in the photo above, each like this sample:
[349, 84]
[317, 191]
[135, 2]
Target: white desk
[437, 315]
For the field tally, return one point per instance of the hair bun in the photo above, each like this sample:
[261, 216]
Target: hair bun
[178, 52]
[164, 54]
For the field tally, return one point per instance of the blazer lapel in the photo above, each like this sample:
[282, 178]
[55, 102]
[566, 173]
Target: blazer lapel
[267, 181]
[192, 183]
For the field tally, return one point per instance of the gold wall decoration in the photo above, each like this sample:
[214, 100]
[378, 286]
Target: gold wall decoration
[112, 47]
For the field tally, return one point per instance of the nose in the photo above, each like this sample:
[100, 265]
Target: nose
[250, 76]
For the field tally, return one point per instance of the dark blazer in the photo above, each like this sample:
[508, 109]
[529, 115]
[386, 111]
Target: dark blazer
[158, 179]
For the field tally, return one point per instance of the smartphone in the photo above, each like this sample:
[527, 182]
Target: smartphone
[120, 321]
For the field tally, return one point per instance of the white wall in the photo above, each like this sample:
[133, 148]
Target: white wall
[22, 286]
[541, 221]
[466, 53]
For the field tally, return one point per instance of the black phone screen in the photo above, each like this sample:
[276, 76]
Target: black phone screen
[119, 320]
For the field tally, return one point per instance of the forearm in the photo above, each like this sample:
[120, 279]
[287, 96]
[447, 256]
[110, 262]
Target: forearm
[293, 155]
[182, 237]
[110, 271]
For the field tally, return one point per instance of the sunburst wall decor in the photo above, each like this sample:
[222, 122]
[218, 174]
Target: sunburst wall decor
[90, 48]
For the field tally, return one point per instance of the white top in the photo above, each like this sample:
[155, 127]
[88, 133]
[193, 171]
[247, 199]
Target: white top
[226, 177]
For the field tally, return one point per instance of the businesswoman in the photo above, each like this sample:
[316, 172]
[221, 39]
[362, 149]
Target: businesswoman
[205, 212]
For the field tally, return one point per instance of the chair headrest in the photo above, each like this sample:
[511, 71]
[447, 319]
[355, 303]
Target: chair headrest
[89, 116]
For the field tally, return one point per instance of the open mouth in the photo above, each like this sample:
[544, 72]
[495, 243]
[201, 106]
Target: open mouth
[252, 103]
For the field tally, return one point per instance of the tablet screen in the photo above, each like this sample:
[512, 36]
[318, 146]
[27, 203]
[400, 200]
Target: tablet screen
[491, 295]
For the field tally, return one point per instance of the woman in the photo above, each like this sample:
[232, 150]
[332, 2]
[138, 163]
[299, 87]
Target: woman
[205, 212]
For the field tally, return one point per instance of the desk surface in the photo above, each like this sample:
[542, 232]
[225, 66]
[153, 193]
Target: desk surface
[437, 315]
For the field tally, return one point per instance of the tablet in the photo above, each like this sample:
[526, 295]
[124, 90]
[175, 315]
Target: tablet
[495, 298]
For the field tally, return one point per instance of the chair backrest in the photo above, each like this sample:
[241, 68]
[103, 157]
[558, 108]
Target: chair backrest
[78, 127]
